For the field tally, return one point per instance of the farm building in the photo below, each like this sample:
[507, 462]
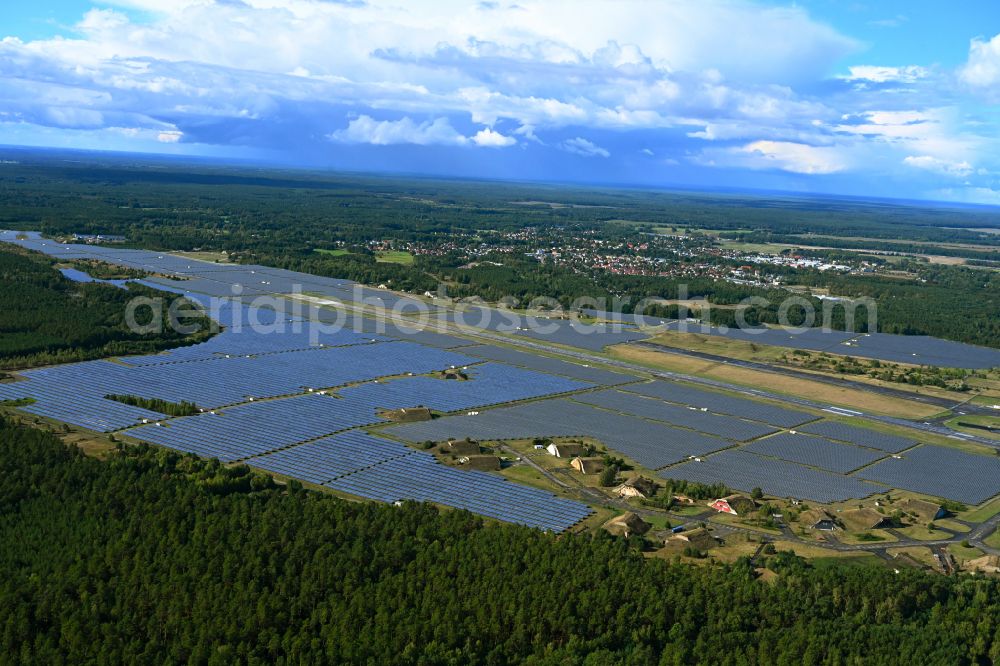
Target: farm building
[565, 450]
[700, 538]
[923, 510]
[735, 505]
[587, 465]
[462, 447]
[484, 463]
[626, 525]
[407, 414]
[637, 487]
[818, 519]
[865, 519]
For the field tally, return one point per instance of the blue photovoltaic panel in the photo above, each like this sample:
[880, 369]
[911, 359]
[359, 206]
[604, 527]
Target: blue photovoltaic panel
[248, 430]
[257, 331]
[332, 457]
[223, 381]
[572, 333]
[488, 384]
[651, 444]
[64, 402]
[941, 472]
[915, 349]
[815, 452]
[548, 364]
[721, 403]
[921, 350]
[873, 439]
[686, 417]
[742, 470]
[815, 339]
[420, 477]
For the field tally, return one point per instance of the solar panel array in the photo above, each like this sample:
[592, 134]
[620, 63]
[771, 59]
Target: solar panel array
[728, 427]
[488, 384]
[255, 331]
[569, 332]
[632, 319]
[742, 470]
[941, 472]
[722, 403]
[420, 477]
[650, 444]
[916, 349]
[64, 402]
[262, 365]
[255, 428]
[922, 350]
[375, 468]
[223, 381]
[815, 452]
[815, 339]
[872, 439]
[548, 364]
[326, 459]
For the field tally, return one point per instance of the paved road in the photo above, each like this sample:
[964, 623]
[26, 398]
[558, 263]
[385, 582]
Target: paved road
[943, 403]
[591, 358]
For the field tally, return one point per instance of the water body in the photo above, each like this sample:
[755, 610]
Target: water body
[80, 276]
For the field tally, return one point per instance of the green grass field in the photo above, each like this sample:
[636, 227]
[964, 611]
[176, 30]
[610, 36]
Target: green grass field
[990, 421]
[395, 257]
[333, 253]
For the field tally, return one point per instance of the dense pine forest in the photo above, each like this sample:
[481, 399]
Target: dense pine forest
[153, 557]
[48, 318]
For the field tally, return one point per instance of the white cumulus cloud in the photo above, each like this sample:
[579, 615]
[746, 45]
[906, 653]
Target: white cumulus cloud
[936, 165]
[794, 157]
[580, 146]
[982, 70]
[491, 139]
[171, 136]
[879, 74]
[365, 129]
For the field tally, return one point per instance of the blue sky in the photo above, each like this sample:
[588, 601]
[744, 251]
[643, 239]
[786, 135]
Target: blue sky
[885, 98]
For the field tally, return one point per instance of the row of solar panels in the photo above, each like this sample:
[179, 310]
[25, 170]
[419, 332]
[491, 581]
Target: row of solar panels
[419, 477]
[913, 349]
[721, 403]
[74, 393]
[548, 364]
[653, 445]
[65, 403]
[253, 428]
[726, 427]
[224, 381]
[931, 470]
[743, 470]
[810, 463]
[487, 384]
[326, 459]
[940, 472]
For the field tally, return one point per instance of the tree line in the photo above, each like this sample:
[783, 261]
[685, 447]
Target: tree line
[48, 318]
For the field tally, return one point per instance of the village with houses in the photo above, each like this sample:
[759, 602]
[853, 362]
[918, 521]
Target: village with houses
[901, 529]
